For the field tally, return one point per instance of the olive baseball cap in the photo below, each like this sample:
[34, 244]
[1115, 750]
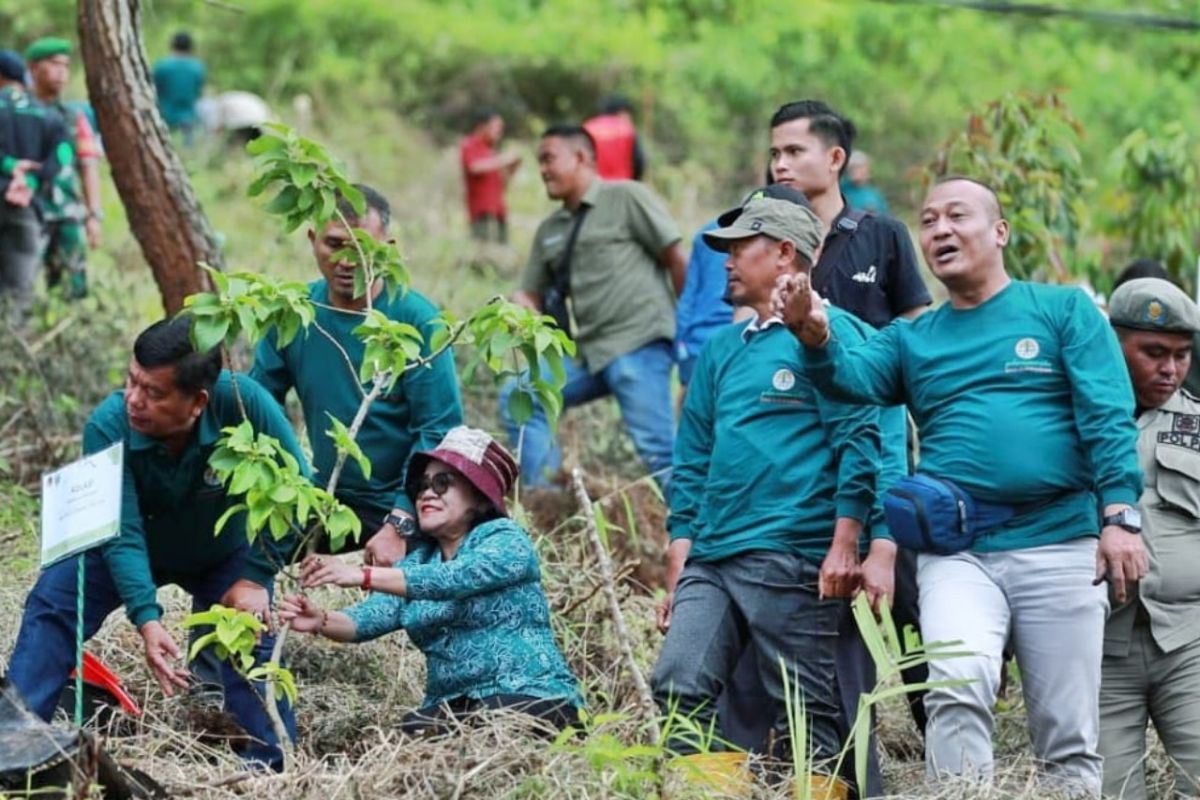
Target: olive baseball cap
[1152, 304]
[785, 220]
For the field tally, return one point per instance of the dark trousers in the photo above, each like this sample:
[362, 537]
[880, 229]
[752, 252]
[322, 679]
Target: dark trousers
[761, 602]
[740, 706]
[438, 720]
[489, 228]
[45, 649]
[20, 246]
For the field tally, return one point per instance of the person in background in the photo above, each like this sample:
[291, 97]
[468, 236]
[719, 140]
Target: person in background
[857, 188]
[30, 139]
[71, 211]
[469, 595]
[619, 154]
[485, 173]
[611, 250]
[179, 81]
[1151, 668]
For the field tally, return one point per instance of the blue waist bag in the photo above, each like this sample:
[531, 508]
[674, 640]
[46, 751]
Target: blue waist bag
[935, 515]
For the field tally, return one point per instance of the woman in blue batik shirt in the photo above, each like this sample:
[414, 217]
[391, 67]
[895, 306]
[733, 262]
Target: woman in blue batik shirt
[469, 594]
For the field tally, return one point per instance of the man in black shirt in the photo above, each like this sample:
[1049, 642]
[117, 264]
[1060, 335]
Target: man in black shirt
[30, 135]
[867, 266]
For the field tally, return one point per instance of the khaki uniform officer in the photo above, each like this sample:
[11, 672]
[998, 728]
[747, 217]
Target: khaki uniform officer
[1151, 668]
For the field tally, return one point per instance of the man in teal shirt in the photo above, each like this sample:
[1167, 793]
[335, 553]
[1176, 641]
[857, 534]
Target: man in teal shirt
[169, 417]
[179, 81]
[773, 485]
[322, 365]
[1021, 397]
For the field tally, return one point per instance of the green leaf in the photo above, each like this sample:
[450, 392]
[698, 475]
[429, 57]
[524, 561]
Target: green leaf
[225, 517]
[520, 406]
[283, 202]
[209, 332]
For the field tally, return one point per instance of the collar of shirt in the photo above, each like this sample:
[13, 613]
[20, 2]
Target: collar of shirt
[757, 325]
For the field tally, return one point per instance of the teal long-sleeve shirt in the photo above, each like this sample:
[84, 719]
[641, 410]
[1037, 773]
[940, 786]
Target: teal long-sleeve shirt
[414, 415]
[762, 460]
[1022, 399]
[170, 504]
[481, 619]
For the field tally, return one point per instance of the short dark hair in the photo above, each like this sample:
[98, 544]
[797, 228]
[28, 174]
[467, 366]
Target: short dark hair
[168, 343]
[615, 104]
[1142, 268]
[824, 123]
[482, 115]
[572, 133]
[182, 41]
[939, 180]
[375, 202]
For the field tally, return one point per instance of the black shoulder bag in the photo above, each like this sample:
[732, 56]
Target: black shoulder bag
[554, 302]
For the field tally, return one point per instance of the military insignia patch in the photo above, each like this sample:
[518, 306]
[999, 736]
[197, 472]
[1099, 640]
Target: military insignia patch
[1155, 312]
[1186, 423]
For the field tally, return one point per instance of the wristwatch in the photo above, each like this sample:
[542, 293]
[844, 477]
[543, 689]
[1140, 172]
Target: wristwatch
[1129, 518]
[405, 526]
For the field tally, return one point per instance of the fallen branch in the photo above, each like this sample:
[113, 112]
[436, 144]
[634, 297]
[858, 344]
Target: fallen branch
[608, 581]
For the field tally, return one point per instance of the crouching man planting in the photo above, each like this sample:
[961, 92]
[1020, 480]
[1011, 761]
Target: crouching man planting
[169, 417]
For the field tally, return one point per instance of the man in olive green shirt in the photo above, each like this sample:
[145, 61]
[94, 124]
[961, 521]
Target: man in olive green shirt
[1151, 668]
[610, 254]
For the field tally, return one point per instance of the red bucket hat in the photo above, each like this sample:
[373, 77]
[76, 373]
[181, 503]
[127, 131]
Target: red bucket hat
[480, 458]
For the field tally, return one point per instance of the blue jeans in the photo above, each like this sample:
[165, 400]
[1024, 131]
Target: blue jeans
[760, 601]
[641, 382]
[45, 649]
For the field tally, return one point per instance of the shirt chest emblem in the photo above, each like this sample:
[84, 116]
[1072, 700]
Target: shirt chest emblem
[1029, 358]
[210, 478]
[1027, 349]
[783, 380]
[866, 276]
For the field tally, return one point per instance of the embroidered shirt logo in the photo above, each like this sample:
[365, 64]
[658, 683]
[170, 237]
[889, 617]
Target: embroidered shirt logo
[783, 380]
[211, 478]
[1027, 349]
[864, 277]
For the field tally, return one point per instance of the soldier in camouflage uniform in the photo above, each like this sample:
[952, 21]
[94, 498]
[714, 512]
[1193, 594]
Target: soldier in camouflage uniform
[71, 211]
[32, 142]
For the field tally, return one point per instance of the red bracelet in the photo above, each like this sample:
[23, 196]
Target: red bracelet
[366, 583]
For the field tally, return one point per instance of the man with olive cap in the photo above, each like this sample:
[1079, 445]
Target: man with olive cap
[1151, 667]
[763, 467]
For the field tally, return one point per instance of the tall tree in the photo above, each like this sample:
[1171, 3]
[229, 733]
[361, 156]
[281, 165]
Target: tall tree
[163, 212]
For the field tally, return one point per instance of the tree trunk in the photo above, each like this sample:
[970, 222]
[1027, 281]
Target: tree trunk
[163, 212]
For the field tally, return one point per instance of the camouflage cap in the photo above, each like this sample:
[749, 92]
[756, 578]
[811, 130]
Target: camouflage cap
[1152, 304]
[768, 216]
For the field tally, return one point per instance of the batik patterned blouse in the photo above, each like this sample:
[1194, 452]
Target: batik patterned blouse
[481, 619]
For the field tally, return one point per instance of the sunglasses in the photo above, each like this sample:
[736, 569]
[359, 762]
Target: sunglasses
[439, 482]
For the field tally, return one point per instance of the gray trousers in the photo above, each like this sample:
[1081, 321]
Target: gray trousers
[1045, 598]
[1150, 685]
[20, 242]
[761, 600]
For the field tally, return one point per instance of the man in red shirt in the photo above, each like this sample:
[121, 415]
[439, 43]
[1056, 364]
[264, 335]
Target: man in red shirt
[485, 172]
[619, 154]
